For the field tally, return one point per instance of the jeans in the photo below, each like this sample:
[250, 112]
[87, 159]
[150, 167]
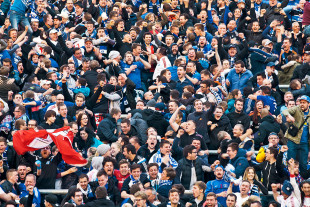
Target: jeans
[298, 152]
[307, 31]
[16, 18]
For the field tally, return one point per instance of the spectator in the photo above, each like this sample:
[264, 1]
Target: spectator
[163, 156]
[189, 164]
[218, 186]
[131, 155]
[238, 162]
[297, 142]
[238, 116]
[198, 194]
[107, 127]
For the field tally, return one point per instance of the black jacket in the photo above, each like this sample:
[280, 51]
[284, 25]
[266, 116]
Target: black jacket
[222, 125]
[60, 121]
[236, 118]
[158, 121]
[146, 153]
[103, 105]
[272, 173]
[91, 78]
[98, 203]
[268, 125]
[301, 71]
[106, 129]
[126, 185]
[184, 171]
[113, 192]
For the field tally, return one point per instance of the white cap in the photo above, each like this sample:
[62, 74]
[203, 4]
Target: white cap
[64, 15]
[52, 31]
[114, 54]
[43, 82]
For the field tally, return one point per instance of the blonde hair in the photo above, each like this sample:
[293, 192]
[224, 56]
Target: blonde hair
[246, 172]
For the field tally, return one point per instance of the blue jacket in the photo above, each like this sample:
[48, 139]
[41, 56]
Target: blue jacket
[36, 194]
[217, 186]
[240, 163]
[238, 81]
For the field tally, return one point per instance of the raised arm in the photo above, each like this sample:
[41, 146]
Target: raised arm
[172, 122]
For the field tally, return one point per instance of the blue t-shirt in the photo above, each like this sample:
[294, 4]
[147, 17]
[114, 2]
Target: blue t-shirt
[134, 75]
[305, 131]
[269, 101]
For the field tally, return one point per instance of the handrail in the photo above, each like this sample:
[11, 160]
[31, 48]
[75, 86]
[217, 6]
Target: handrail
[65, 191]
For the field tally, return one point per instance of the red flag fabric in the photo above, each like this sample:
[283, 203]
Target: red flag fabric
[31, 140]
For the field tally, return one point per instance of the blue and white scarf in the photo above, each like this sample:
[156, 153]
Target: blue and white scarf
[158, 159]
[133, 181]
[165, 182]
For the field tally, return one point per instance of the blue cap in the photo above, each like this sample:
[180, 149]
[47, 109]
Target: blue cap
[160, 106]
[287, 188]
[221, 166]
[273, 134]
[241, 1]
[271, 64]
[231, 45]
[304, 97]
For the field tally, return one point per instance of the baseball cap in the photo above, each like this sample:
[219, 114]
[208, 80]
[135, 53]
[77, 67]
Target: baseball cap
[64, 15]
[34, 20]
[160, 106]
[241, 1]
[268, 42]
[52, 31]
[58, 17]
[271, 64]
[231, 45]
[113, 54]
[287, 188]
[304, 97]
[52, 199]
[43, 82]
[88, 39]
[273, 134]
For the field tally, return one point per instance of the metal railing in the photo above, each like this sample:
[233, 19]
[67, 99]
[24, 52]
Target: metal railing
[65, 191]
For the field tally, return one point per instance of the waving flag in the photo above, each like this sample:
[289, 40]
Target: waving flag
[31, 140]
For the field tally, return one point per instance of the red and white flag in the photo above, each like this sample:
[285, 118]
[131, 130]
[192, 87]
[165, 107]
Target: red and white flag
[31, 140]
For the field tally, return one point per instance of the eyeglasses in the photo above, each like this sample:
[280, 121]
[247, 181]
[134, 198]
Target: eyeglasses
[16, 111]
[60, 99]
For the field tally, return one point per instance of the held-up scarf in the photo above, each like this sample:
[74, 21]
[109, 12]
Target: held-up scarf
[133, 181]
[157, 159]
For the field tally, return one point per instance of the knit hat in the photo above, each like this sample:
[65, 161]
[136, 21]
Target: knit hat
[102, 149]
[151, 103]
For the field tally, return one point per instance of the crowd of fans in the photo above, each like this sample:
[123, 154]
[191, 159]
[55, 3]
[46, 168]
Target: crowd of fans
[171, 102]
